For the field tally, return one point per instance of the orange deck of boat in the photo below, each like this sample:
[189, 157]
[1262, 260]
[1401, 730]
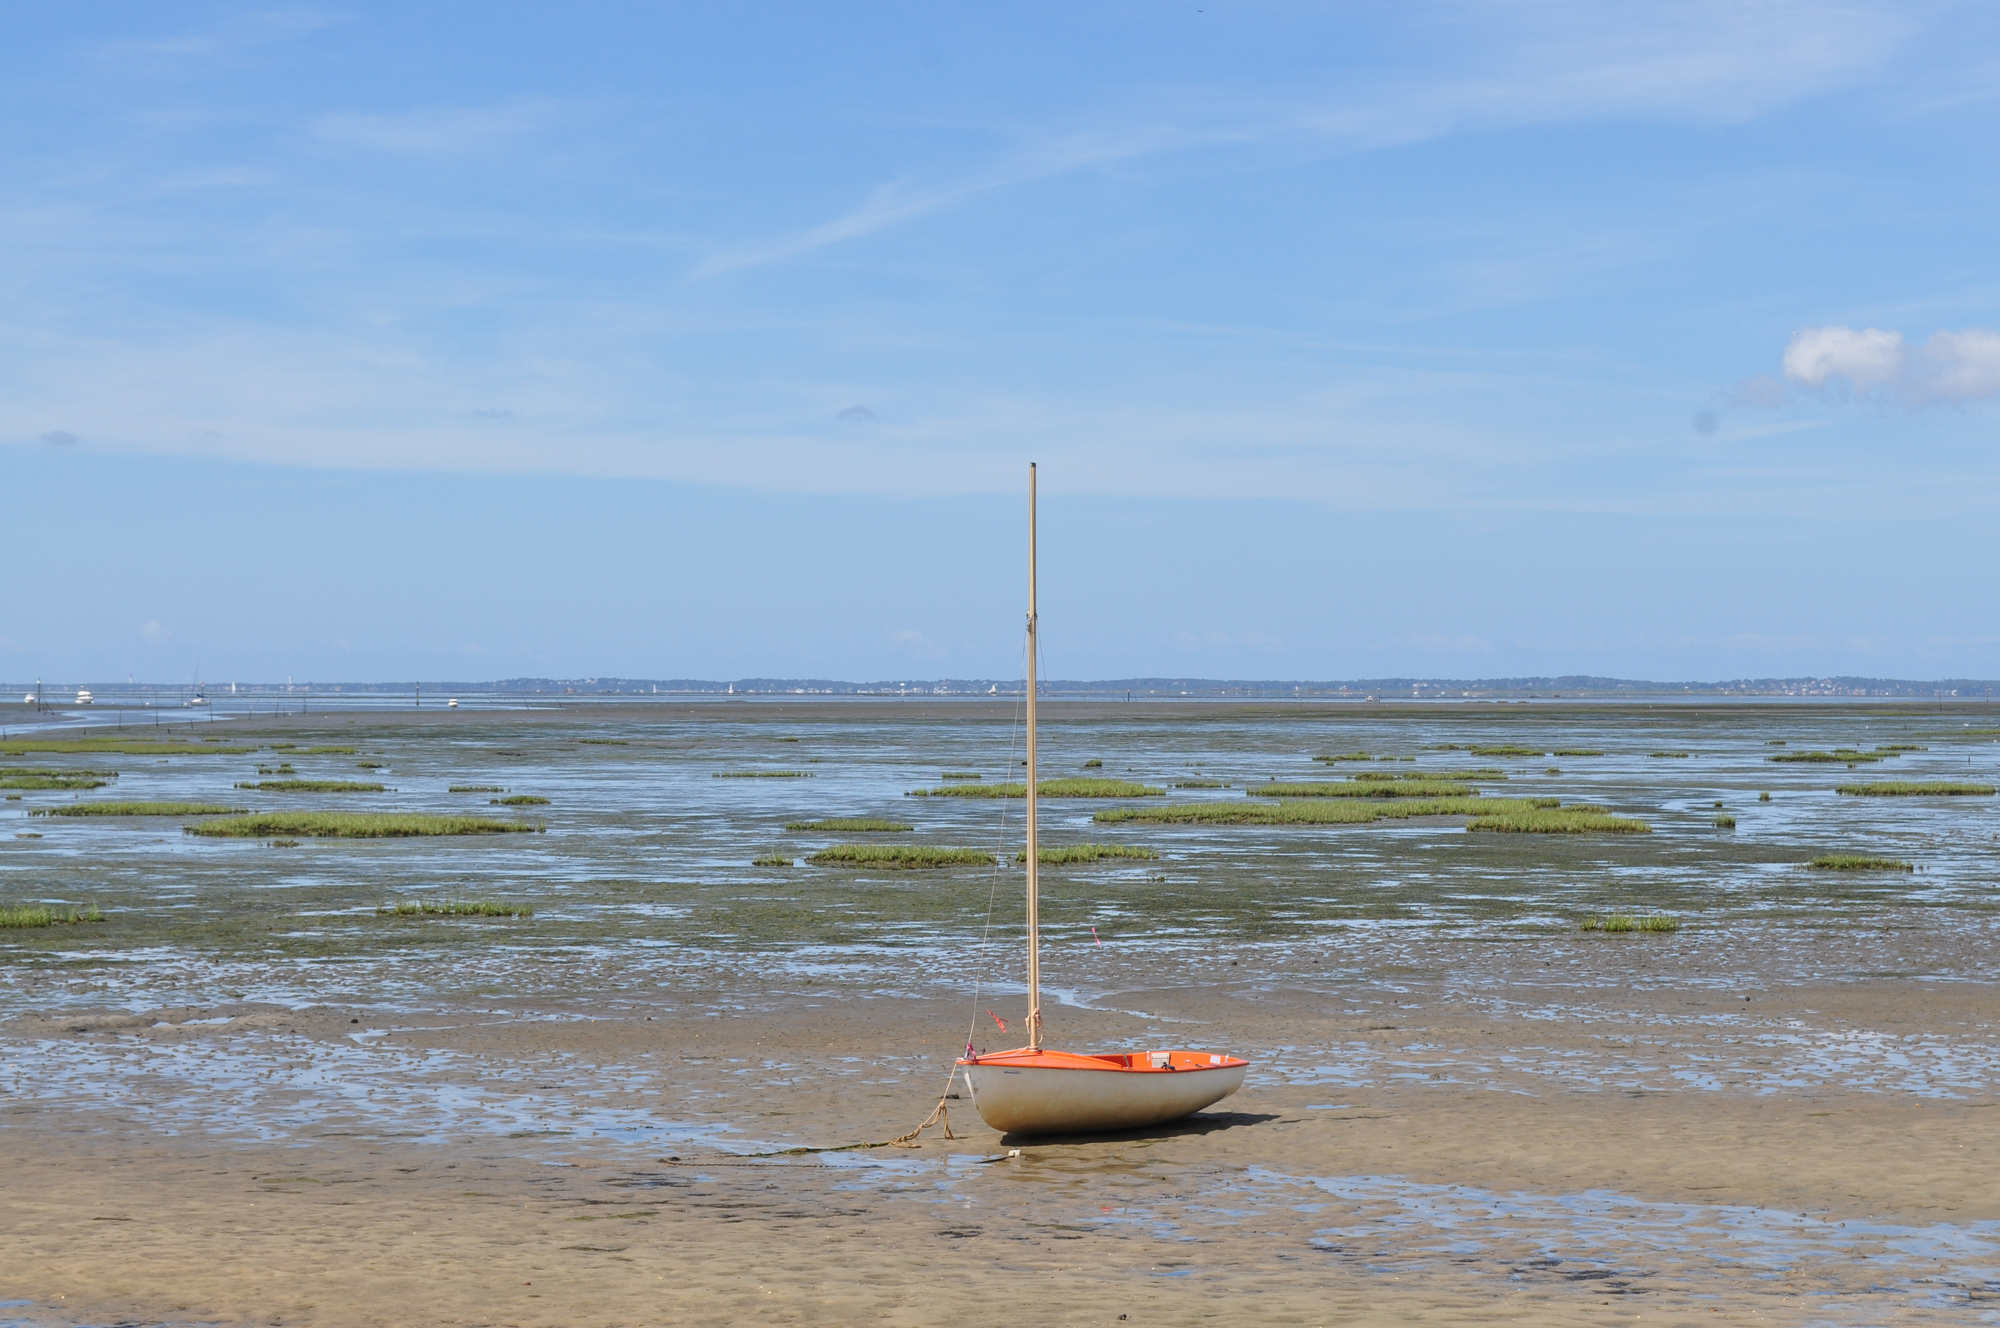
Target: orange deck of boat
[1135, 1061]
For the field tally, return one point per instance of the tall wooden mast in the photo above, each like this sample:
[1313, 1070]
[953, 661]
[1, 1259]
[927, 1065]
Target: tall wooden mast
[1034, 847]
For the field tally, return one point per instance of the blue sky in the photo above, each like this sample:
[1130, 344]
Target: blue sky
[464, 341]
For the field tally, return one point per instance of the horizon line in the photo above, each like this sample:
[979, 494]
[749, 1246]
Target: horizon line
[1151, 686]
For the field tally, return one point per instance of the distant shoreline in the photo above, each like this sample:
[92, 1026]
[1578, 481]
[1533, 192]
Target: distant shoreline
[1349, 691]
[236, 715]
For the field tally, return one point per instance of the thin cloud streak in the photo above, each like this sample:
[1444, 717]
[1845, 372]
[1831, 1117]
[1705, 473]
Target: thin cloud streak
[1707, 63]
[251, 32]
[892, 205]
[438, 130]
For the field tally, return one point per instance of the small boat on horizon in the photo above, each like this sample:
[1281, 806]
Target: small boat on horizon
[1037, 1090]
[83, 696]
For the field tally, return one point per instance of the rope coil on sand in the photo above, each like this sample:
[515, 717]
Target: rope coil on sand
[938, 1116]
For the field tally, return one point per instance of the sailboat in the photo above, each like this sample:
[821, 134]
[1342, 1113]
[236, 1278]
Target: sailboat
[1038, 1090]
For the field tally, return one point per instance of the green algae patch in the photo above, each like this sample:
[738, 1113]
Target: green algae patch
[1478, 774]
[1559, 821]
[34, 915]
[16, 778]
[1858, 862]
[138, 809]
[1074, 853]
[353, 825]
[519, 800]
[314, 786]
[1914, 788]
[841, 825]
[1372, 788]
[1625, 922]
[116, 746]
[1082, 787]
[899, 856]
[1317, 811]
[455, 908]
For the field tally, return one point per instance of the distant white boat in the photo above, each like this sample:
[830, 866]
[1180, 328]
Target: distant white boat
[197, 699]
[28, 699]
[451, 704]
[83, 696]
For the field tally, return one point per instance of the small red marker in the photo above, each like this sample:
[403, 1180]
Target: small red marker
[1095, 937]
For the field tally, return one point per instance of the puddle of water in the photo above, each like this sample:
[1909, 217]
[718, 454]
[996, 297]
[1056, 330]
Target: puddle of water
[1938, 1265]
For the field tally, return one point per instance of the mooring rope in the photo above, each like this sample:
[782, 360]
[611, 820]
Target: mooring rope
[939, 1115]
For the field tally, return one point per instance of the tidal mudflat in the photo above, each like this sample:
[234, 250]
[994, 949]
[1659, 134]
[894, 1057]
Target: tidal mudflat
[272, 1085]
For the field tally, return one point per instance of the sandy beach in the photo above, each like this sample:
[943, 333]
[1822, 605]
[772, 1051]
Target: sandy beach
[1479, 1166]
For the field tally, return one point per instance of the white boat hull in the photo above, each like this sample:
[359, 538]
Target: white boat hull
[1031, 1100]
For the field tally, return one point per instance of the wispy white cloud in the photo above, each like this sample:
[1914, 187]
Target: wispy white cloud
[1538, 62]
[908, 640]
[1949, 369]
[889, 206]
[1702, 61]
[893, 204]
[1463, 645]
[1757, 392]
[224, 177]
[1865, 359]
[439, 130]
[245, 33]
[1262, 642]
[1961, 366]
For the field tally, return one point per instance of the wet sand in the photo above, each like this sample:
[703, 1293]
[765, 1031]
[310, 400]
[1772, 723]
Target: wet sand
[1408, 1154]
[247, 1097]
